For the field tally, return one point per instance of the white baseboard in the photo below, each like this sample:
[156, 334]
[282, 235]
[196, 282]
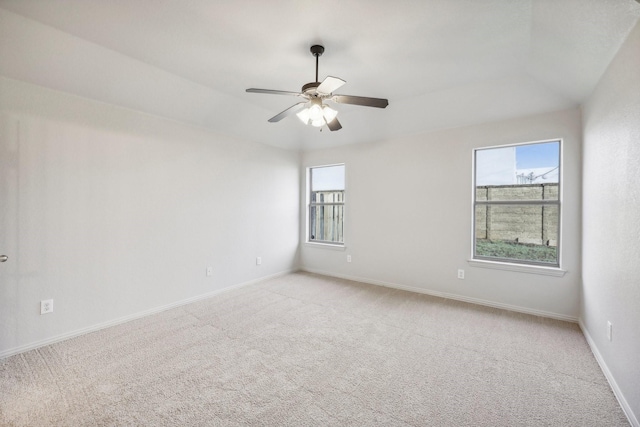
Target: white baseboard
[138, 315]
[633, 420]
[457, 297]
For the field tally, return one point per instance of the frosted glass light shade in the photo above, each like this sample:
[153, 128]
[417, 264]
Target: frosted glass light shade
[317, 114]
[329, 113]
[318, 123]
[304, 116]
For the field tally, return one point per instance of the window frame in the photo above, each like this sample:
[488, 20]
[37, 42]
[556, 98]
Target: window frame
[527, 266]
[310, 205]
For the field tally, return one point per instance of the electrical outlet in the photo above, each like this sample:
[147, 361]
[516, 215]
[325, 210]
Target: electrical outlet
[348, 258]
[460, 274]
[209, 271]
[259, 261]
[46, 306]
[609, 331]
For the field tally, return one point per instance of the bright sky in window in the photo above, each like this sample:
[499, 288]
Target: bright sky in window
[537, 155]
[328, 178]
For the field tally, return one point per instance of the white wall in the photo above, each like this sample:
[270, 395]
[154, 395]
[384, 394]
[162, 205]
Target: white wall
[112, 212]
[611, 221]
[408, 215]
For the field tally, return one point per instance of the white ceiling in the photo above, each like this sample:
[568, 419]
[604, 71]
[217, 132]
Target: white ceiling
[441, 63]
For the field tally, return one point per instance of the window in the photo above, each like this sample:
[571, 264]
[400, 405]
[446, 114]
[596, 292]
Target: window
[326, 204]
[517, 203]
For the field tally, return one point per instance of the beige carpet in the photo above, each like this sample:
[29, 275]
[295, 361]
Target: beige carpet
[306, 350]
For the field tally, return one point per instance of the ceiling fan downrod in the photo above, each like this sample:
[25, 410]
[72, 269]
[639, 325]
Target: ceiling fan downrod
[317, 51]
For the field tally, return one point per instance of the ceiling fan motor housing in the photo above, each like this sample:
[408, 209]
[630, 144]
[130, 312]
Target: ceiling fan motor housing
[309, 88]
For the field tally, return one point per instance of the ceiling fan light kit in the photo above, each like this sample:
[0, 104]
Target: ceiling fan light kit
[314, 112]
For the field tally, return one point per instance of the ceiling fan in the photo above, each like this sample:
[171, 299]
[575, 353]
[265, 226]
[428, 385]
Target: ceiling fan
[313, 110]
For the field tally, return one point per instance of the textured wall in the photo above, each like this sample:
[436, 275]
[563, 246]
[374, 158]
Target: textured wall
[112, 212]
[422, 185]
[611, 219]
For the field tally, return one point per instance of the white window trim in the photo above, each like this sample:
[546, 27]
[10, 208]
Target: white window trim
[556, 271]
[521, 268]
[330, 246]
[338, 246]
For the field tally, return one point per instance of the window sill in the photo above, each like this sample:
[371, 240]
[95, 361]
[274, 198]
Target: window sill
[531, 269]
[325, 246]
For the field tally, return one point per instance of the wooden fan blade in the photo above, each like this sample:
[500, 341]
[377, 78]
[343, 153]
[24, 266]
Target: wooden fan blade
[334, 125]
[273, 92]
[360, 100]
[289, 111]
[329, 84]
